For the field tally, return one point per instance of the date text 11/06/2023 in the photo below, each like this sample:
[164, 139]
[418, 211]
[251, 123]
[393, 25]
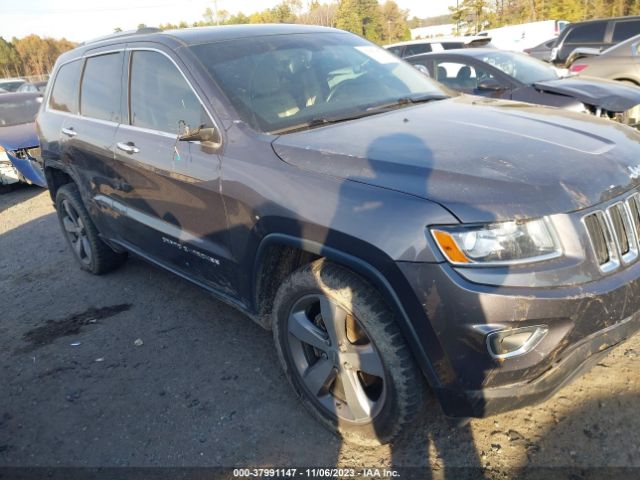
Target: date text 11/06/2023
[315, 473]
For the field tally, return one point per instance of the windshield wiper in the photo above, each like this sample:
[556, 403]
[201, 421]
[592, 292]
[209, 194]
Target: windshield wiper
[373, 110]
[400, 102]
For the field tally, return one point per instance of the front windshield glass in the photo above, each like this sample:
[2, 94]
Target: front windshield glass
[17, 112]
[280, 82]
[521, 67]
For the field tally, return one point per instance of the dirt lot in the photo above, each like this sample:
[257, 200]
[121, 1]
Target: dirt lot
[204, 389]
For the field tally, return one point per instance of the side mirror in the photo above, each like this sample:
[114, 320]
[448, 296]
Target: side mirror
[490, 84]
[201, 134]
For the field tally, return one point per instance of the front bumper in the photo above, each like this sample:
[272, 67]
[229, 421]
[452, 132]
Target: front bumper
[584, 322]
[490, 401]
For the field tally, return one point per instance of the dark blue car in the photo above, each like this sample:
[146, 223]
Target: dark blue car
[20, 158]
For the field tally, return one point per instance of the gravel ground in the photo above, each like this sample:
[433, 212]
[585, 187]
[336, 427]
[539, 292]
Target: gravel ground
[140, 368]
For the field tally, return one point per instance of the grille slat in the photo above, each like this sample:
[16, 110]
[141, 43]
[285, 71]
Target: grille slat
[615, 233]
[618, 228]
[598, 239]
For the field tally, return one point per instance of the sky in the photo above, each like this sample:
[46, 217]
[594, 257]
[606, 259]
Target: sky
[79, 20]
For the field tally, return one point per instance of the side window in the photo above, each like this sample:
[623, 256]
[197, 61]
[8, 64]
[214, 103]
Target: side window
[64, 96]
[417, 49]
[100, 91]
[395, 50]
[625, 30]
[587, 33]
[462, 76]
[160, 98]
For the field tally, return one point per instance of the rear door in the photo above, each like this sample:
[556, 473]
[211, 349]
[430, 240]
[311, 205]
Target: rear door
[171, 188]
[60, 106]
[89, 137]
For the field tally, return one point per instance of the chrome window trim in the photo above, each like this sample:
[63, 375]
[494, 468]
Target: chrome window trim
[126, 126]
[122, 123]
[53, 80]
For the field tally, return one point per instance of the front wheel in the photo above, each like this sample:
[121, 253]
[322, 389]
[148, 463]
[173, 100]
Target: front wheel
[343, 353]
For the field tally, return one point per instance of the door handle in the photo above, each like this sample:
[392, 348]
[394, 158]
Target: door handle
[69, 132]
[128, 147]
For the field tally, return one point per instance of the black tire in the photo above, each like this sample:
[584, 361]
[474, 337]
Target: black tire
[395, 397]
[91, 253]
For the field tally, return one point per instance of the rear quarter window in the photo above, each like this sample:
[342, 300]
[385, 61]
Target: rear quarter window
[395, 50]
[624, 30]
[587, 33]
[64, 96]
[101, 88]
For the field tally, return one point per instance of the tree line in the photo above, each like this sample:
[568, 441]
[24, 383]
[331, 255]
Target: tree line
[382, 23]
[471, 16]
[31, 55]
[379, 22]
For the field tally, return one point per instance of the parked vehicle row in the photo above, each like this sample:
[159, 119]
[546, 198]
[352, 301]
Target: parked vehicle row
[555, 41]
[319, 184]
[598, 34]
[515, 76]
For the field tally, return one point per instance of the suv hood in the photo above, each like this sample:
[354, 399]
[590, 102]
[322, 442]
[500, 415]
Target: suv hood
[606, 94]
[482, 159]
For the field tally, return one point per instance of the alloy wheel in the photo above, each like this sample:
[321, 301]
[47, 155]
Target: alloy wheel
[338, 364]
[76, 232]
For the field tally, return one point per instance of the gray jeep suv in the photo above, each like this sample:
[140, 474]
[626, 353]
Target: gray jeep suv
[392, 234]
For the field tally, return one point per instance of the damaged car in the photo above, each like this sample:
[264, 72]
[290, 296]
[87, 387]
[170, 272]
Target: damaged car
[20, 158]
[515, 76]
[391, 233]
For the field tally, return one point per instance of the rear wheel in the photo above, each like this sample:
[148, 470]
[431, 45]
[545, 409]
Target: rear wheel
[89, 250]
[344, 355]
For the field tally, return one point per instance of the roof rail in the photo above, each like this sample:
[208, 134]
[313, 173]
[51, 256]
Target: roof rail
[126, 33]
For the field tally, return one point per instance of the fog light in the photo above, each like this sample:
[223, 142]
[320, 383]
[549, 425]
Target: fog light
[514, 342]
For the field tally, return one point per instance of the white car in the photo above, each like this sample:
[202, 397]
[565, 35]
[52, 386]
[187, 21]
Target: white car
[439, 44]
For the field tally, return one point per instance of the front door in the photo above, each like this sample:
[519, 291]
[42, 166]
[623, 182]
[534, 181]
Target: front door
[171, 194]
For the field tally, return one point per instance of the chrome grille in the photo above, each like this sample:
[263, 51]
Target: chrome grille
[615, 233]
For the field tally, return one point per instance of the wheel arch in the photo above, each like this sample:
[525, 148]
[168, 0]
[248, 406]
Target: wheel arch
[372, 274]
[57, 175]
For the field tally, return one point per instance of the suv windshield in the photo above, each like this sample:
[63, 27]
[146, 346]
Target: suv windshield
[17, 112]
[279, 83]
[521, 67]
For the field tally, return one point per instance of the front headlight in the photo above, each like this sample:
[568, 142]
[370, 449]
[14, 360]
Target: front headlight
[505, 243]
